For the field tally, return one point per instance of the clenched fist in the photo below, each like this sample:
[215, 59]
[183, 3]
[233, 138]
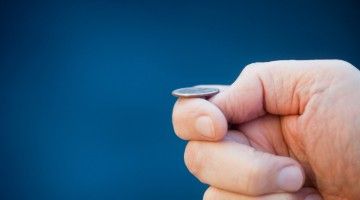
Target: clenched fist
[282, 130]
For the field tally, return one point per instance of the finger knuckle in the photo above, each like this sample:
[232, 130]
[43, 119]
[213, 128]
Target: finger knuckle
[287, 197]
[250, 68]
[255, 183]
[176, 121]
[340, 68]
[213, 193]
[343, 63]
[338, 65]
[210, 194]
[179, 131]
[195, 158]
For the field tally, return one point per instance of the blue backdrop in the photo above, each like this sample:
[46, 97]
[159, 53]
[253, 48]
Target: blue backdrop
[85, 106]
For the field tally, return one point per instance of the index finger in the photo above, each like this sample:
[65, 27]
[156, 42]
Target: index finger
[199, 119]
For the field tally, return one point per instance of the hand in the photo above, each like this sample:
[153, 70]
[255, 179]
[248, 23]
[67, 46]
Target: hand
[283, 129]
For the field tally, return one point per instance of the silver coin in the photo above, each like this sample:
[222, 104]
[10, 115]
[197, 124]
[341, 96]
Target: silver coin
[195, 92]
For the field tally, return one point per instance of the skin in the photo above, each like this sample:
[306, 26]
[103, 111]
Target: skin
[299, 114]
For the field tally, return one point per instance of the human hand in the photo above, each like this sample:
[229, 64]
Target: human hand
[294, 131]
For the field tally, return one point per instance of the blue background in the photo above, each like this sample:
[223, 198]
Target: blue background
[85, 102]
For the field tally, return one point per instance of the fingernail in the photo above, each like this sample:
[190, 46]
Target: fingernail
[205, 127]
[313, 197]
[290, 178]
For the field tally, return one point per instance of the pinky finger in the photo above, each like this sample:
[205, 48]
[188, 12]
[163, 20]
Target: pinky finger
[303, 194]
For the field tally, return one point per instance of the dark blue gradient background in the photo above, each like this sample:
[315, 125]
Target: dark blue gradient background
[85, 87]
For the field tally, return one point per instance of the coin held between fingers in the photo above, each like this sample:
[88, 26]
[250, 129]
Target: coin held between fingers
[192, 92]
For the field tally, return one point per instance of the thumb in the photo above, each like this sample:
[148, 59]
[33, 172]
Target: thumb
[243, 100]
[277, 87]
